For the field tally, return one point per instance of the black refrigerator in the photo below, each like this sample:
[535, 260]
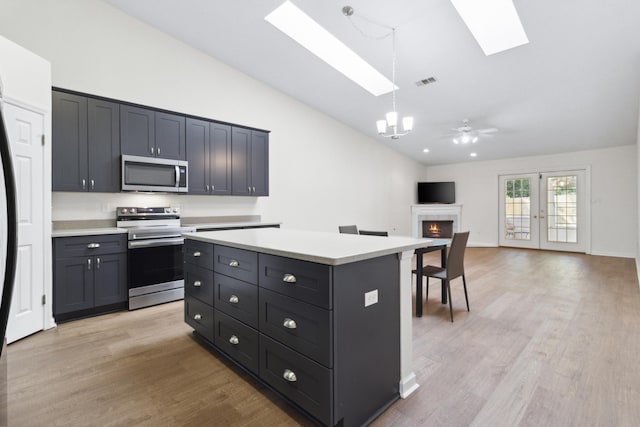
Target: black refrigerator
[8, 233]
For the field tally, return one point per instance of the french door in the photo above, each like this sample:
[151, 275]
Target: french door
[544, 210]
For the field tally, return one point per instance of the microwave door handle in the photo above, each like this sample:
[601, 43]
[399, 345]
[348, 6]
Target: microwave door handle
[177, 176]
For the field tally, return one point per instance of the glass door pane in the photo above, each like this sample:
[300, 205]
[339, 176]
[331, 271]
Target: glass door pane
[518, 210]
[562, 210]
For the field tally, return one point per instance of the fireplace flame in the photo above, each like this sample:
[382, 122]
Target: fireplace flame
[433, 228]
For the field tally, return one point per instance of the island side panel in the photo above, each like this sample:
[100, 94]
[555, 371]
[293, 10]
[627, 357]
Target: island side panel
[366, 338]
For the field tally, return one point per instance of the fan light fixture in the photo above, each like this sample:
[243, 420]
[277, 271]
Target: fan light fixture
[391, 118]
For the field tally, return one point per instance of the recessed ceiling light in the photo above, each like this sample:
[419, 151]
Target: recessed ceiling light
[474, 154]
[313, 37]
[426, 150]
[494, 23]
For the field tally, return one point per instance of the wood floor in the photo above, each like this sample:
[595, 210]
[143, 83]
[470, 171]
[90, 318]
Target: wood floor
[552, 339]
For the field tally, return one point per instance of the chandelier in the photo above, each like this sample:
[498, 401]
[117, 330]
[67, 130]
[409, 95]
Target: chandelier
[391, 118]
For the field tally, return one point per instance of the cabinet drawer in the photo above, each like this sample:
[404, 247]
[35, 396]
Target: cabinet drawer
[66, 247]
[236, 298]
[300, 379]
[237, 263]
[198, 282]
[199, 316]
[303, 280]
[301, 326]
[198, 253]
[237, 340]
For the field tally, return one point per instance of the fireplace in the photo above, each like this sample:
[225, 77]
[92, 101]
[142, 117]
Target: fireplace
[432, 213]
[436, 229]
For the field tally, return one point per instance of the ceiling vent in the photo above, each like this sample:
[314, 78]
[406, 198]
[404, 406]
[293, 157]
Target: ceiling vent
[426, 81]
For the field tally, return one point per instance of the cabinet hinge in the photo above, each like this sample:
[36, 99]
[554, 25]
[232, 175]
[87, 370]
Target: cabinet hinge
[42, 139]
[44, 299]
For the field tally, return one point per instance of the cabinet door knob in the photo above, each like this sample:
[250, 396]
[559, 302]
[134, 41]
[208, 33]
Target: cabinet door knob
[289, 323]
[289, 376]
[196, 254]
[207, 187]
[234, 340]
[93, 245]
[84, 184]
[89, 264]
[93, 184]
[234, 299]
[197, 316]
[197, 283]
[234, 263]
[97, 263]
[289, 278]
[158, 150]
[152, 150]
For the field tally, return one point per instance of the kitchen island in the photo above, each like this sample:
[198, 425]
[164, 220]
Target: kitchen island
[322, 318]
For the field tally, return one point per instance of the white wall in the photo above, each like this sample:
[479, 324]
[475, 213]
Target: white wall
[614, 194]
[322, 173]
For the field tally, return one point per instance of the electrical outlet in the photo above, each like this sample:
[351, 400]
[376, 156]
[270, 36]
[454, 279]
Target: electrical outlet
[371, 298]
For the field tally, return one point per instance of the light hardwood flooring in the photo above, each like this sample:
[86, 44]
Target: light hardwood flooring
[552, 339]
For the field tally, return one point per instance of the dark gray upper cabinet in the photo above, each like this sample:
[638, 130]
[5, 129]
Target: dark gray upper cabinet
[198, 156]
[259, 163]
[86, 144]
[209, 156]
[104, 145]
[137, 131]
[250, 162]
[69, 146]
[170, 137]
[151, 133]
[220, 159]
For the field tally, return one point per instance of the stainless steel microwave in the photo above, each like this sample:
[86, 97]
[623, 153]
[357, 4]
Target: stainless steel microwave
[153, 174]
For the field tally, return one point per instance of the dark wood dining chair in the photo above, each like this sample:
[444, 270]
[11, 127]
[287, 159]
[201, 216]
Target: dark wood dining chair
[453, 270]
[348, 229]
[374, 233]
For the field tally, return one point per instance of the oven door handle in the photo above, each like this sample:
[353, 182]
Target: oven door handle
[135, 244]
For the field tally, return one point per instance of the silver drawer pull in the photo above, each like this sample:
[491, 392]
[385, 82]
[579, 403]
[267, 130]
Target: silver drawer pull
[234, 299]
[93, 245]
[197, 283]
[289, 376]
[234, 263]
[289, 278]
[197, 254]
[289, 323]
[234, 340]
[197, 316]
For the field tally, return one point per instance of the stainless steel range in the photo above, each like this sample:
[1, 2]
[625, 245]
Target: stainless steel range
[155, 254]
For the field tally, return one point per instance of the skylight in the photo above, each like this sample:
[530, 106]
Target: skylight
[308, 33]
[494, 23]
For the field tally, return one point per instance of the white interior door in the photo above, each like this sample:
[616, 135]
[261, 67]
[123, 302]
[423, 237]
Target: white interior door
[545, 210]
[25, 129]
[519, 225]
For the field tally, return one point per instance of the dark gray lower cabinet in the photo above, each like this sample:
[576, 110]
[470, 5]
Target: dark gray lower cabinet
[89, 283]
[314, 340]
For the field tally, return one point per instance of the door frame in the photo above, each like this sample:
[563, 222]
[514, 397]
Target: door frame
[561, 168]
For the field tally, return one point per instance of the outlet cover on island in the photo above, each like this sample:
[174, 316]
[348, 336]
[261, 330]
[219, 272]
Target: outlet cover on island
[371, 298]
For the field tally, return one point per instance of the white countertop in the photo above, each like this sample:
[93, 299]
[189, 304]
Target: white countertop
[86, 231]
[314, 246]
[199, 226]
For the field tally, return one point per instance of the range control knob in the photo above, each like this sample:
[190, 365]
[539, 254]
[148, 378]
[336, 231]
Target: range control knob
[167, 210]
[132, 210]
[124, 211]
[175, 210]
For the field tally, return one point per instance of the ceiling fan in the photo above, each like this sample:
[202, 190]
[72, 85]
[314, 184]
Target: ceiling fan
[465, 134]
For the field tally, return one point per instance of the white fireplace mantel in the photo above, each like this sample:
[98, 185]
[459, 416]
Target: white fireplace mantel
[434, 212]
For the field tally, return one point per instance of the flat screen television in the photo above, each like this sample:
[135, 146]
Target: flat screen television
[436, 192]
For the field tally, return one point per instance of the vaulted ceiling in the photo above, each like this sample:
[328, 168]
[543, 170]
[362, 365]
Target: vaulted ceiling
[575, 86]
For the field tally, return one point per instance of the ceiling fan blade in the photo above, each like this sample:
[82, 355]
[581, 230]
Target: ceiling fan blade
[488, 130]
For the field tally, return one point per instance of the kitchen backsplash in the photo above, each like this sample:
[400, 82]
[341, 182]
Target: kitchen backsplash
[102, 206]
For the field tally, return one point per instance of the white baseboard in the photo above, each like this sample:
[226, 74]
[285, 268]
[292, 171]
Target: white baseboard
[408, 385]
